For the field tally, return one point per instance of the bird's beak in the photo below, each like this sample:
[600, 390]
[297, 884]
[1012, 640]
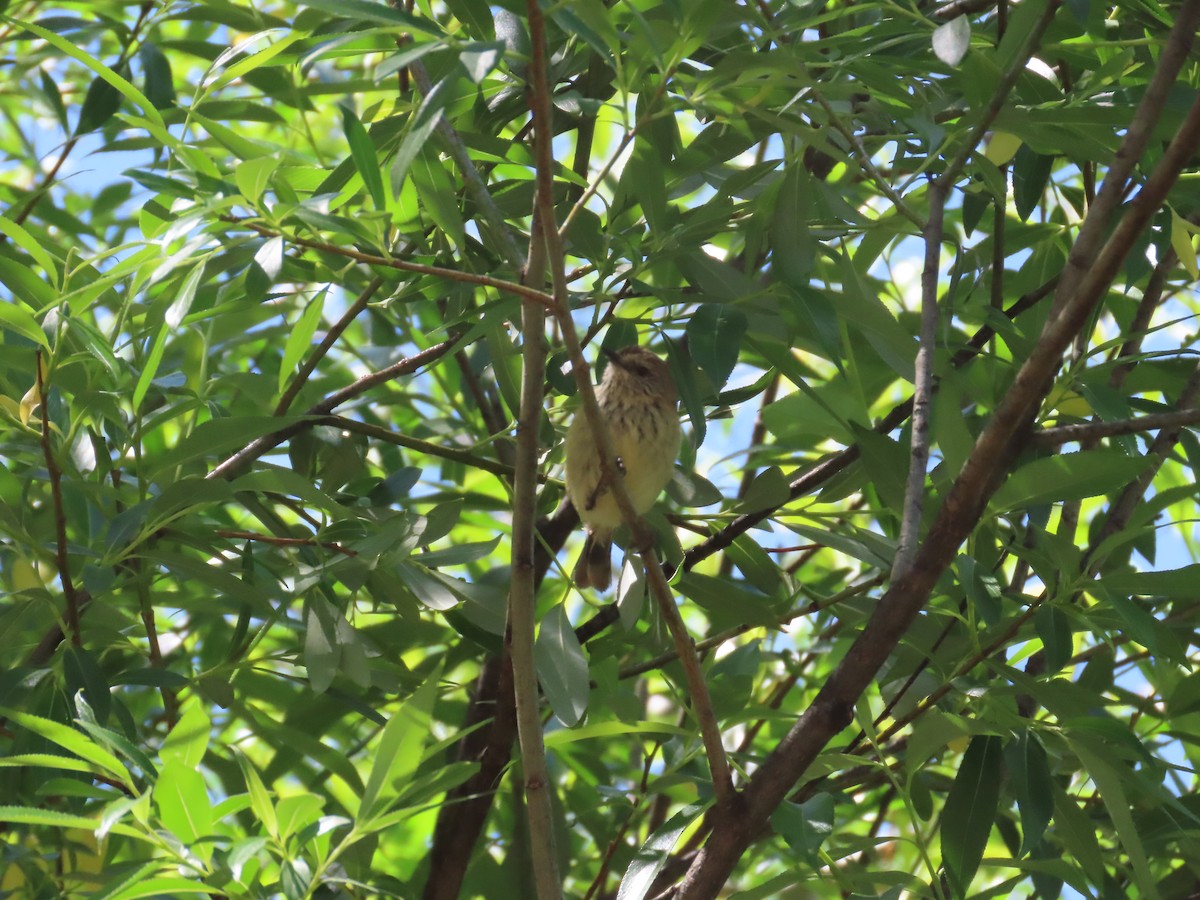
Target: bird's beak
[611, 354]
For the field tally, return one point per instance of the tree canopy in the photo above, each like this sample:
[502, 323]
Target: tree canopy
[298, 298]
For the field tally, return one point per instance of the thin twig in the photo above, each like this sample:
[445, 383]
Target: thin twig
[256, 448]
[285, 541]
[429, 448]
[685, 649]
[939, 193]
[922, 405]
[331, 336]
[512, 287]
[522, 591]
[1091, 431]
[61, 559]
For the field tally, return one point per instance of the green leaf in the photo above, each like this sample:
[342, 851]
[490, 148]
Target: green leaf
[1033, 786]
[370, 11]
[805, 826]
[72, 741]
[99, 105]
[187, 742]
[685, 375]
[971, 810]
[562, 668]
[714, 335]
[768, 490]
[422, 125]
[183, 804]
[435, 590]
[1067, 476]
[362, 151]
[653, 854]
[1031, 174]
[299, 338]
[793, 249]
[260, 799]
[398, 752]
[630, 594]
[26, 242]
[150, 368]
[1111, 785]
[15, 317]
[156, 73]
[219, 436]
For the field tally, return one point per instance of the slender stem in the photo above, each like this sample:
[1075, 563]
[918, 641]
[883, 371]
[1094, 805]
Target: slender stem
[685, 648]
[62, 561]
[522, 592]
[389, 436]
[310, 364]
[1091, 431]
[284, 541]
[922, 406]
[256, 448]
[511, 287]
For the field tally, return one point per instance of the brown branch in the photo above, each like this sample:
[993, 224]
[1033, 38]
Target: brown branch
[62, 562]
[310, 364]
[685, 649]
[1092, 431]
[284, 541]
[522, 600]
[982, 473]
[520, 290]
[231, 466]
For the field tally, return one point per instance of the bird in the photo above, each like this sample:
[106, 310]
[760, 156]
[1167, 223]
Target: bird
[638, 403]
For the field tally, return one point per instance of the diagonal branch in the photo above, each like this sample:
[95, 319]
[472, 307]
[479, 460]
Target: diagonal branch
[939, 193]
[982, 473]
[268, 442]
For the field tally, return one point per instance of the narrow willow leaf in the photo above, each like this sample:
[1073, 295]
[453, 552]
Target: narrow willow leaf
[653, 854]
[971, 810]
[366, 160]
[399, 749]
[562, 667]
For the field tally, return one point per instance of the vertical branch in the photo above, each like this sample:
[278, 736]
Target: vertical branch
[521, 604]
[60, 518]
[918, 461]
[939, 192]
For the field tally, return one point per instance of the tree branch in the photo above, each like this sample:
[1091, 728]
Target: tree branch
[256, 448]
[982, 473]
[61, 559]
[520, 290]
[522, 600]
[1091, 431]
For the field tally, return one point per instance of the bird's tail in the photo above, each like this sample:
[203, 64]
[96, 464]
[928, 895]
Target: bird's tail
[594, 568]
